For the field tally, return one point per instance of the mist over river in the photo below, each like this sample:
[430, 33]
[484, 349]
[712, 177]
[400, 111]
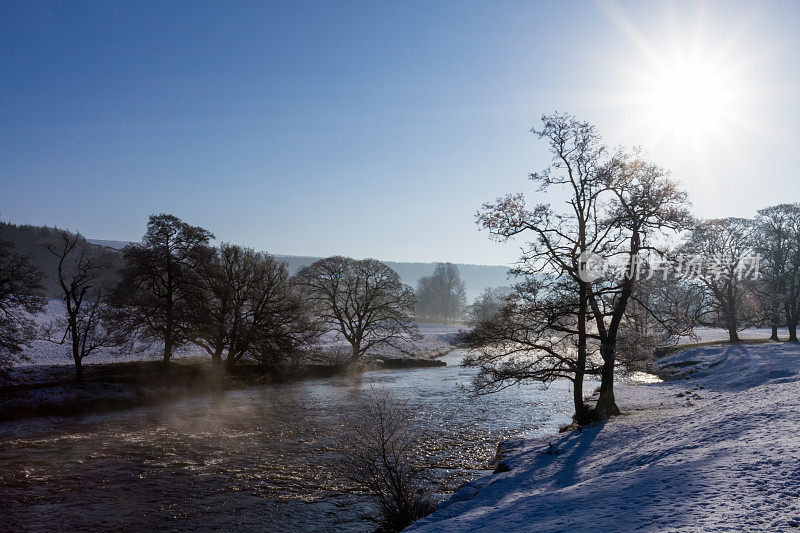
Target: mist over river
[261, 458]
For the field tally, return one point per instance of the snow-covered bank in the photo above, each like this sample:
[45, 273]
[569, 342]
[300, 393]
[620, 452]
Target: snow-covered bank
[716, 450]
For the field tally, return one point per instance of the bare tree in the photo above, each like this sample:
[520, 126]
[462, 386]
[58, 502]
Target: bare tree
[441, 296]
[776, 238]
[160, 282]
[559, 239]
[644, 206]
[532, 338]
[487, 305]
[718, 251]
[252, 309]
[662, 310]
[79, 272]
[617, 204]
[378, 442]
[363, 300]
[21, 296]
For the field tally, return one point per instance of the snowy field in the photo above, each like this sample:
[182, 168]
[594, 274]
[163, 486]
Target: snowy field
[717, 449]
[719, 334]
[435, 342]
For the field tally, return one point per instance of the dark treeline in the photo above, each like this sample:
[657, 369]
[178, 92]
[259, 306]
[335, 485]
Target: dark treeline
[568, 316]
[176, 289]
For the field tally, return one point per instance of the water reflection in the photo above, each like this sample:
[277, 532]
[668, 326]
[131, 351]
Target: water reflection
[255, 459]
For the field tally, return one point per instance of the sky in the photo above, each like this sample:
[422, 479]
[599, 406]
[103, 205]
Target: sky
[377, 129]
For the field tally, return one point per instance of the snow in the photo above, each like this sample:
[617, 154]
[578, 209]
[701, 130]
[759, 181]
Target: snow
[714, 449]
[436, 341]
[719, 334]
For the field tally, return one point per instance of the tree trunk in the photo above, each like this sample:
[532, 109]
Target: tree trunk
[774, 336]
[792, 331]
[606, 403]
[169, 318]
[730, 320]
[733, 335]
[76, 347]
[167, 352]
[581, 415]
[78, 371]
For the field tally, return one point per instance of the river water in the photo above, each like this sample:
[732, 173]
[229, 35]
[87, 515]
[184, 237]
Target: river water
[261, 458]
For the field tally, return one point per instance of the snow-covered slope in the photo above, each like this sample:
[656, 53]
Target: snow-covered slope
[717, 450]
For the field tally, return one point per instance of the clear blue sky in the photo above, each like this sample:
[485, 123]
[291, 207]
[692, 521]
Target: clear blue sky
[375, 129]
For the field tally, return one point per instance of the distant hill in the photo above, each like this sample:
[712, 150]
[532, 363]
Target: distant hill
[32, 241]
[476, 277]
[116, 245]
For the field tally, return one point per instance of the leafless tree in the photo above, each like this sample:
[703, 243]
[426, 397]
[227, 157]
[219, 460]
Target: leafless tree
[559, 238]
[363, 300]
[776, 238]
[722, 247]
[160, 283]
[533, 337]
[487, 305]
[378, 442]
[21, 296]
[441, 296]
[644, 205]
[616, 205]
[662, 310]
[79, 271]
[252, 309]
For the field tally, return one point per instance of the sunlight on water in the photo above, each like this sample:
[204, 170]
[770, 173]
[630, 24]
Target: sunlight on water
[259, 458]
[640, 378]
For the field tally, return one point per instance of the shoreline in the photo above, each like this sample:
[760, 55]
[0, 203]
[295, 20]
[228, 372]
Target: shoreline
[711, 449]
[124, 385]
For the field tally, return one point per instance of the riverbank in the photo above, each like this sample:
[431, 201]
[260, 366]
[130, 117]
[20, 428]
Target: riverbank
[260, 458]
[43, 385]
[49, 390]
[714, 449]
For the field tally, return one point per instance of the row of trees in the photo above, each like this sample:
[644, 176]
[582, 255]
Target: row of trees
[176, 289]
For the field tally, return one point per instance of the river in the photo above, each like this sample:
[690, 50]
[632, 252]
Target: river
[253, 459]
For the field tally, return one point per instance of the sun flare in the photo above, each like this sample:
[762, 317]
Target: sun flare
[689, 92]
[691, 86]
[692, 97]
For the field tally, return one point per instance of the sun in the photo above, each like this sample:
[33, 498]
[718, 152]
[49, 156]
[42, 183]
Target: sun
[689, 86]
[691, 95]
[689, 92]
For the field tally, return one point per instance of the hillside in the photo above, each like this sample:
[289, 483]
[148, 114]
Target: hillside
[32, 241]
[714, 449]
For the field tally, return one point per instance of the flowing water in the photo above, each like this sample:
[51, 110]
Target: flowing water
[261, 458]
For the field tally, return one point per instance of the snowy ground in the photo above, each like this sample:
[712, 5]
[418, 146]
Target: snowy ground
[436, 341]
[716, 449]
[719, 334]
